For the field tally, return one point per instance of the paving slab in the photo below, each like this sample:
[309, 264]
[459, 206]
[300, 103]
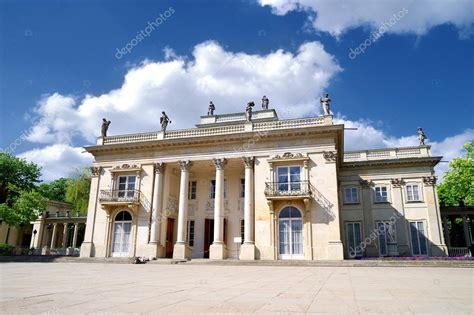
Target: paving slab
[103, 288]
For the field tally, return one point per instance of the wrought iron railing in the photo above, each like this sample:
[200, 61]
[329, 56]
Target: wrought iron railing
[129, 195]
[459, 252]
[290, 189]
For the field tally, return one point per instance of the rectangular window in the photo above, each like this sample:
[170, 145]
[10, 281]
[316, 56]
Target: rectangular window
[242, 230]
[212, 194]
[354, 239]
[418, 238]
[289, 178]
[351, 195]
[242, 188]
[126, 186]
[191, 233]
[192, 189]
[381, 194]
[413, 192]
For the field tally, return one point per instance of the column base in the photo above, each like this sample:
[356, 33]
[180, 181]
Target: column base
[181, 251]
[217, 251]
[154, 250]
[87, 249]
[247, 252]
[335, 250]
[439, 250]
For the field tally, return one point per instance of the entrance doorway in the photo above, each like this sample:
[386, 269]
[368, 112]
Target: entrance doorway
[169, 238]
[122, 231]
[208, 236]
[290, 226]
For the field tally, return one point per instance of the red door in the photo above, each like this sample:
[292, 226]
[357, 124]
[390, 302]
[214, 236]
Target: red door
[208, 235]
[169, 238]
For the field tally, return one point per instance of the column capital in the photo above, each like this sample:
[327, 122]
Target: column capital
[396, 182]
[185, 165]
[95, 171]
[430, 180]
[220, 163]
[159, 167]
[248, 161]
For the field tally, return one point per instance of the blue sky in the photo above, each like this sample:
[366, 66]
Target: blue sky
[59, 73]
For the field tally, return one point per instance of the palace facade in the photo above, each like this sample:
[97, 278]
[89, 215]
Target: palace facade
[259, 188]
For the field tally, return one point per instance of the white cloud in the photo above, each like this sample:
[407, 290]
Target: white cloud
[338, 16]
[58, 160]
[184, 88]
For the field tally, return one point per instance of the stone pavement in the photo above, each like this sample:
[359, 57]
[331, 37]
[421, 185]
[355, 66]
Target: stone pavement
[72, 288]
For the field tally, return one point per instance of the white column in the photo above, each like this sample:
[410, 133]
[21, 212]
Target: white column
[53, 237]
[156, 215]
[247, 250]
[217, 250]
[248, 202]
[64, 235]
[74, 238]
[181, 250]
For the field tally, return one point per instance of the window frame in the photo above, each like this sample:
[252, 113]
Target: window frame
[127, 190]
[424, 234]
[346, 230]
[387, 189]
[242, 188]
[290, 186]
[420, 194]
[192, 184]
[344, 199]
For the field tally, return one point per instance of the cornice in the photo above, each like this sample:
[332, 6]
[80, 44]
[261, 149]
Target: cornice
[420, 161]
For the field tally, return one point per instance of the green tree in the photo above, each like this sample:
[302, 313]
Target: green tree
[457, 188]
[56, 190]
[16, 175]
[25, 208]
[77, 190]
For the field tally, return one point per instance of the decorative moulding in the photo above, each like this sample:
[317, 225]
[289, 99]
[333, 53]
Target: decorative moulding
[126, 168]
[288, 156]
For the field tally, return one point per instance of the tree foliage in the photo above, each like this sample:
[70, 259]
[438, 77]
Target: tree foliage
[55, 190]
[457, 188]
[16, 175]
[24, 209]
[77, 191]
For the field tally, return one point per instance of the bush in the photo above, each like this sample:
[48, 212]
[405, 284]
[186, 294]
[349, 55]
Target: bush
[6, 250]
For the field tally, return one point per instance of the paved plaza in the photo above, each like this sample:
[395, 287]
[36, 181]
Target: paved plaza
[75, 288]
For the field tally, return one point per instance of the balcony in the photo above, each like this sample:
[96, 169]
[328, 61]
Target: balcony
[119, 197]
[292, 190]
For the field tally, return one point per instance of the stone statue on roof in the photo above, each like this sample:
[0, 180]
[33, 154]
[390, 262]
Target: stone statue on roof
[248, 111]
[210, 109]
[164, 121]
[265, 102]
[105, 127]
[421, 136]
[326, 103]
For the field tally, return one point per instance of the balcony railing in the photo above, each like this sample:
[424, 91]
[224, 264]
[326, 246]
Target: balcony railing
[291, 189]
[120, 196]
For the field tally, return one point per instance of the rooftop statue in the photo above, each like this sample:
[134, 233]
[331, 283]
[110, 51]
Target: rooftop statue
[265, 102]
[210, 109]
[248, 111]
[164, 120]
[105, 127]
[421, 136]
[325, 102]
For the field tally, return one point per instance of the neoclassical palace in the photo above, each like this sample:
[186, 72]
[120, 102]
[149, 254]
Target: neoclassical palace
[259, 188]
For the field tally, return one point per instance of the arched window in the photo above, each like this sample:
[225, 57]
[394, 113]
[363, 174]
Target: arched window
[122, 234]
[290, 225]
